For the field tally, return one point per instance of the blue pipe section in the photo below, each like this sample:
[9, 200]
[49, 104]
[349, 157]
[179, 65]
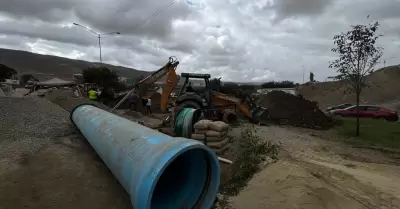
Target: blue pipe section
[158, 171]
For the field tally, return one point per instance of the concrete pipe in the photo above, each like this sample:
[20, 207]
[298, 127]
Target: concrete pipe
[158, 171]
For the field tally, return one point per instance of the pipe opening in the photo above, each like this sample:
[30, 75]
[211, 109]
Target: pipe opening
[183, 182]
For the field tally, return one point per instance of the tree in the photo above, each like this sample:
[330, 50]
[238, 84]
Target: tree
[101, 76]
[357, 57]
[23, 80]
[215, 84]
[312, 77]
[278, 84]
[6, 72]
[229, 88]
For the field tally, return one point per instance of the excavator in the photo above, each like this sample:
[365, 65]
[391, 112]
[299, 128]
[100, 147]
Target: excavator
[215, 105]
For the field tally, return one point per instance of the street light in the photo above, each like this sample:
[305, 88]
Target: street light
[99, 35]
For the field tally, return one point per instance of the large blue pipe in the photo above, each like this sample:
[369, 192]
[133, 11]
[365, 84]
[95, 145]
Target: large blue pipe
[158, 171]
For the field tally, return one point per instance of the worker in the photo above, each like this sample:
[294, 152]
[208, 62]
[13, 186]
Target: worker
[189, 88]
[148, 106]
[133, 99]
[105, 96]
[92, 94]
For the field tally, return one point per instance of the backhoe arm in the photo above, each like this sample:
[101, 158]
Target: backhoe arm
[168, 68]
[170, 83]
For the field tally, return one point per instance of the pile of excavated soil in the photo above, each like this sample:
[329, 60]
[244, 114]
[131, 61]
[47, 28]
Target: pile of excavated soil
[67, 100]
[284, 108]
[46, 163]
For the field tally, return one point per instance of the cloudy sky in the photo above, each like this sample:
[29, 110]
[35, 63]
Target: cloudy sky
[238, 40]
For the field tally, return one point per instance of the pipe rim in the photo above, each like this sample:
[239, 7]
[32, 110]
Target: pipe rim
[208, 190]
[76, 107]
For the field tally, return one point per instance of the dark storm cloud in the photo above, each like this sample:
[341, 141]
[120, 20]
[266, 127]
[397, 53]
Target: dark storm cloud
[127, 16]
[46, 10]
[292, 8]
[47, 32]
[255, 40]
[124, 16]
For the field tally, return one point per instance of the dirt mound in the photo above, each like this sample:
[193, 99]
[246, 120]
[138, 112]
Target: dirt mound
[383, 90]
[293, 110]
[67, 100]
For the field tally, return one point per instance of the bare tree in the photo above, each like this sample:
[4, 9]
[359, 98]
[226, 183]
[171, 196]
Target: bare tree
[357, 57]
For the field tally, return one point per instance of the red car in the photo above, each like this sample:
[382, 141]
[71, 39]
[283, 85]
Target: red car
[367, 111]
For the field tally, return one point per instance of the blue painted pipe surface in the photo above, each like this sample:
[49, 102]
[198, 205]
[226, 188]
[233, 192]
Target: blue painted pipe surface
[158, 171]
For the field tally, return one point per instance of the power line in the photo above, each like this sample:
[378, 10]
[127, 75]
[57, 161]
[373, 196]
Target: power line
[159, 11]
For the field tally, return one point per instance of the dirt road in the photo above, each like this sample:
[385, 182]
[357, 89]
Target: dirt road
[45, 163]
[316, 173]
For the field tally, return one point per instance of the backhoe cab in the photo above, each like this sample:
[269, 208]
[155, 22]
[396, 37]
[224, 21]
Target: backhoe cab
[191, 97]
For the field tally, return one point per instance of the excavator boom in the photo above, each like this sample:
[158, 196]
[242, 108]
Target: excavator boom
[169, 70]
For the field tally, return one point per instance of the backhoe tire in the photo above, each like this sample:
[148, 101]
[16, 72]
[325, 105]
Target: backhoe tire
[190, 104]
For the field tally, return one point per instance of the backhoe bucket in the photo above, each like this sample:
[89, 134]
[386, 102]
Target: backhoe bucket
[260, 115]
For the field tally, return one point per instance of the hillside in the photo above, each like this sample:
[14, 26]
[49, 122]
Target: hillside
[47, 66]
[384, 85]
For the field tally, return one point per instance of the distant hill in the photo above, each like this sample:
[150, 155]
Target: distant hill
[384, 89]
[46, 66]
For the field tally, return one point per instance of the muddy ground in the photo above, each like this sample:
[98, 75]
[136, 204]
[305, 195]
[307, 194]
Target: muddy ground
[48, 164]
[316, 173]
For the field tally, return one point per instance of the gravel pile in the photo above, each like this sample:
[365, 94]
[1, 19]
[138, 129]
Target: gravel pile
[45, 163]
[29, 123]
[285, 108]
[67, 100]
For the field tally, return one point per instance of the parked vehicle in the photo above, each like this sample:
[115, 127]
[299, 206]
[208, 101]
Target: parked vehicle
[367, 111]
[339, 107]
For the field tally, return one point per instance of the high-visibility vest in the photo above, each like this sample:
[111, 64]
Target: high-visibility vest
[92, 94]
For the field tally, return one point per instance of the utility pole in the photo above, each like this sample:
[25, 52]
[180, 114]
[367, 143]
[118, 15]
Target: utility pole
[384, 61]
[99, 36]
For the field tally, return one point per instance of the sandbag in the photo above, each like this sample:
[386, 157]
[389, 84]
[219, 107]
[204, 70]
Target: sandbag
[200, 131]
[202, 124]
[211, 133]
[203, 138]
[222, 150]
[218, 145]
[200, 137]
[218, 126]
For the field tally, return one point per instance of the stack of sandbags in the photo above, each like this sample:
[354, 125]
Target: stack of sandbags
[214, 134]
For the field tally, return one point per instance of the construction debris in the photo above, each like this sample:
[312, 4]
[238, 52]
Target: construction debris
[293, 110]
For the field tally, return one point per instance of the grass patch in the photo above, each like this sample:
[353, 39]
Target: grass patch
[372, 131]
[253, 150]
